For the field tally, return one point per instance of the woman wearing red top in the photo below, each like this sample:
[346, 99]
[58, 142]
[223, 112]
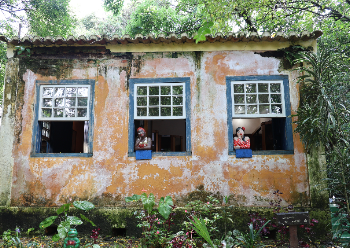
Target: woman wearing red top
[241, 141]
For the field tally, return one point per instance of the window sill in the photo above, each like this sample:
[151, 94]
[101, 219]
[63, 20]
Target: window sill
[267, 152]
[166, 154]
[40, 155]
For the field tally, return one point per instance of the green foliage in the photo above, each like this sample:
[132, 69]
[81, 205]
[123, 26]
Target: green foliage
[113, 5]
[11, 238]
[250, 239]
[201, 229]
[66, 222]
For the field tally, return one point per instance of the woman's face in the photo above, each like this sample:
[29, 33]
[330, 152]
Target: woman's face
[240, 133]
[141, 133]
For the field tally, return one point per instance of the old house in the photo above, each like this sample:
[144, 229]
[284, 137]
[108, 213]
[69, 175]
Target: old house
[72, 106]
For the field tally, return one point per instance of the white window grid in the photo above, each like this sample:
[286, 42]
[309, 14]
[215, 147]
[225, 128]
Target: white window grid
[64, 103]
[258, 99]
[167, 104]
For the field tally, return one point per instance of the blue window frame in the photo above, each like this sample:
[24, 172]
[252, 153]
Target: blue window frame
[64, 119]
[281, 126]
[177, 113]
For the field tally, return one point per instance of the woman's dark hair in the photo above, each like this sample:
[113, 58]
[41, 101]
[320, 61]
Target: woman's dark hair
[239, 128]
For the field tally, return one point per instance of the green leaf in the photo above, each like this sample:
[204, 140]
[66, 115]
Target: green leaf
[204, 30]
[47, 222]
[73, 220]
[63, 229]
[83, 205]
[63, 208]
[86, 219]
[133, 198]
[201, 229]
[148, 202]
[164, 207]
[55, 237]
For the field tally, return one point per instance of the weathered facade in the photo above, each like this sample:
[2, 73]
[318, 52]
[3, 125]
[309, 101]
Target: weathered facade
[105, 170]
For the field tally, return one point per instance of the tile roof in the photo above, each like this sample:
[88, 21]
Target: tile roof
[172, 38]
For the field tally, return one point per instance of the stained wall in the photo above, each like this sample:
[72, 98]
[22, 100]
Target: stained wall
[110, 174]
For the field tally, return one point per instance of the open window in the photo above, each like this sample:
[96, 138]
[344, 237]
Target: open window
[63, 118]
[161, 107]
[261, 104]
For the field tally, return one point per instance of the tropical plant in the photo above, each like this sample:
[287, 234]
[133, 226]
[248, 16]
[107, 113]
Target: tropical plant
[67, 221]
[250, 239]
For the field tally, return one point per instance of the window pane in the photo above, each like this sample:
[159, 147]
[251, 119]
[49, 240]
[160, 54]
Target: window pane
[264, 98]
[83, 91]
[240, 109]
[70, 102]
[239, 98]
[46, 112]
[238, 88]
[275, 88]
[69, 112]
[83, 102]
[47, 102]
[82, 112]
[58, 112]
[275, 98]
[153, 111]
[154, 90]
[252, 109]
[165, 90]
[177, 111]
[165, 100]
[71, 92]
[141, 112]
[251, 98]
[250, 88]
[177, 90]
[141, 90]
[141, 101]
[165, 111]
[59, 92]
[264, 109]
[177, 100]
[263, 87]
[47, 92]
[59, 102]
[154, 100]
[276, 109]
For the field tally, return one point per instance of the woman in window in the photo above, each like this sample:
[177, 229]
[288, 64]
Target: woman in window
[142, 142]
[241, 141]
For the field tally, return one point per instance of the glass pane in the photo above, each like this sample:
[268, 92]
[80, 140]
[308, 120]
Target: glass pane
[141, 90]
[165, 90]
[264, 98]
[47, 102]
[141, 101]
[250, 88]
[165, 111]
[276, 98]
[59, 92]
[252, 109]
[165, 100]
[71, 92]
[83, 102]
[69, 112]
[58, 112]
[264, 109]
[238, 88]
[177, 100]
[276, 109]
[251, 98]
[177, 90]
[46, 112]
[238, 98]
[141, 112]
[82, 112]
[154, 100]
[154, 90]
[275, 88]
[177, 111]
[70, 102]
[240, 109]
[263, 87]
[59, 102]
[153, 112]
[47, 92]
[84, 91]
